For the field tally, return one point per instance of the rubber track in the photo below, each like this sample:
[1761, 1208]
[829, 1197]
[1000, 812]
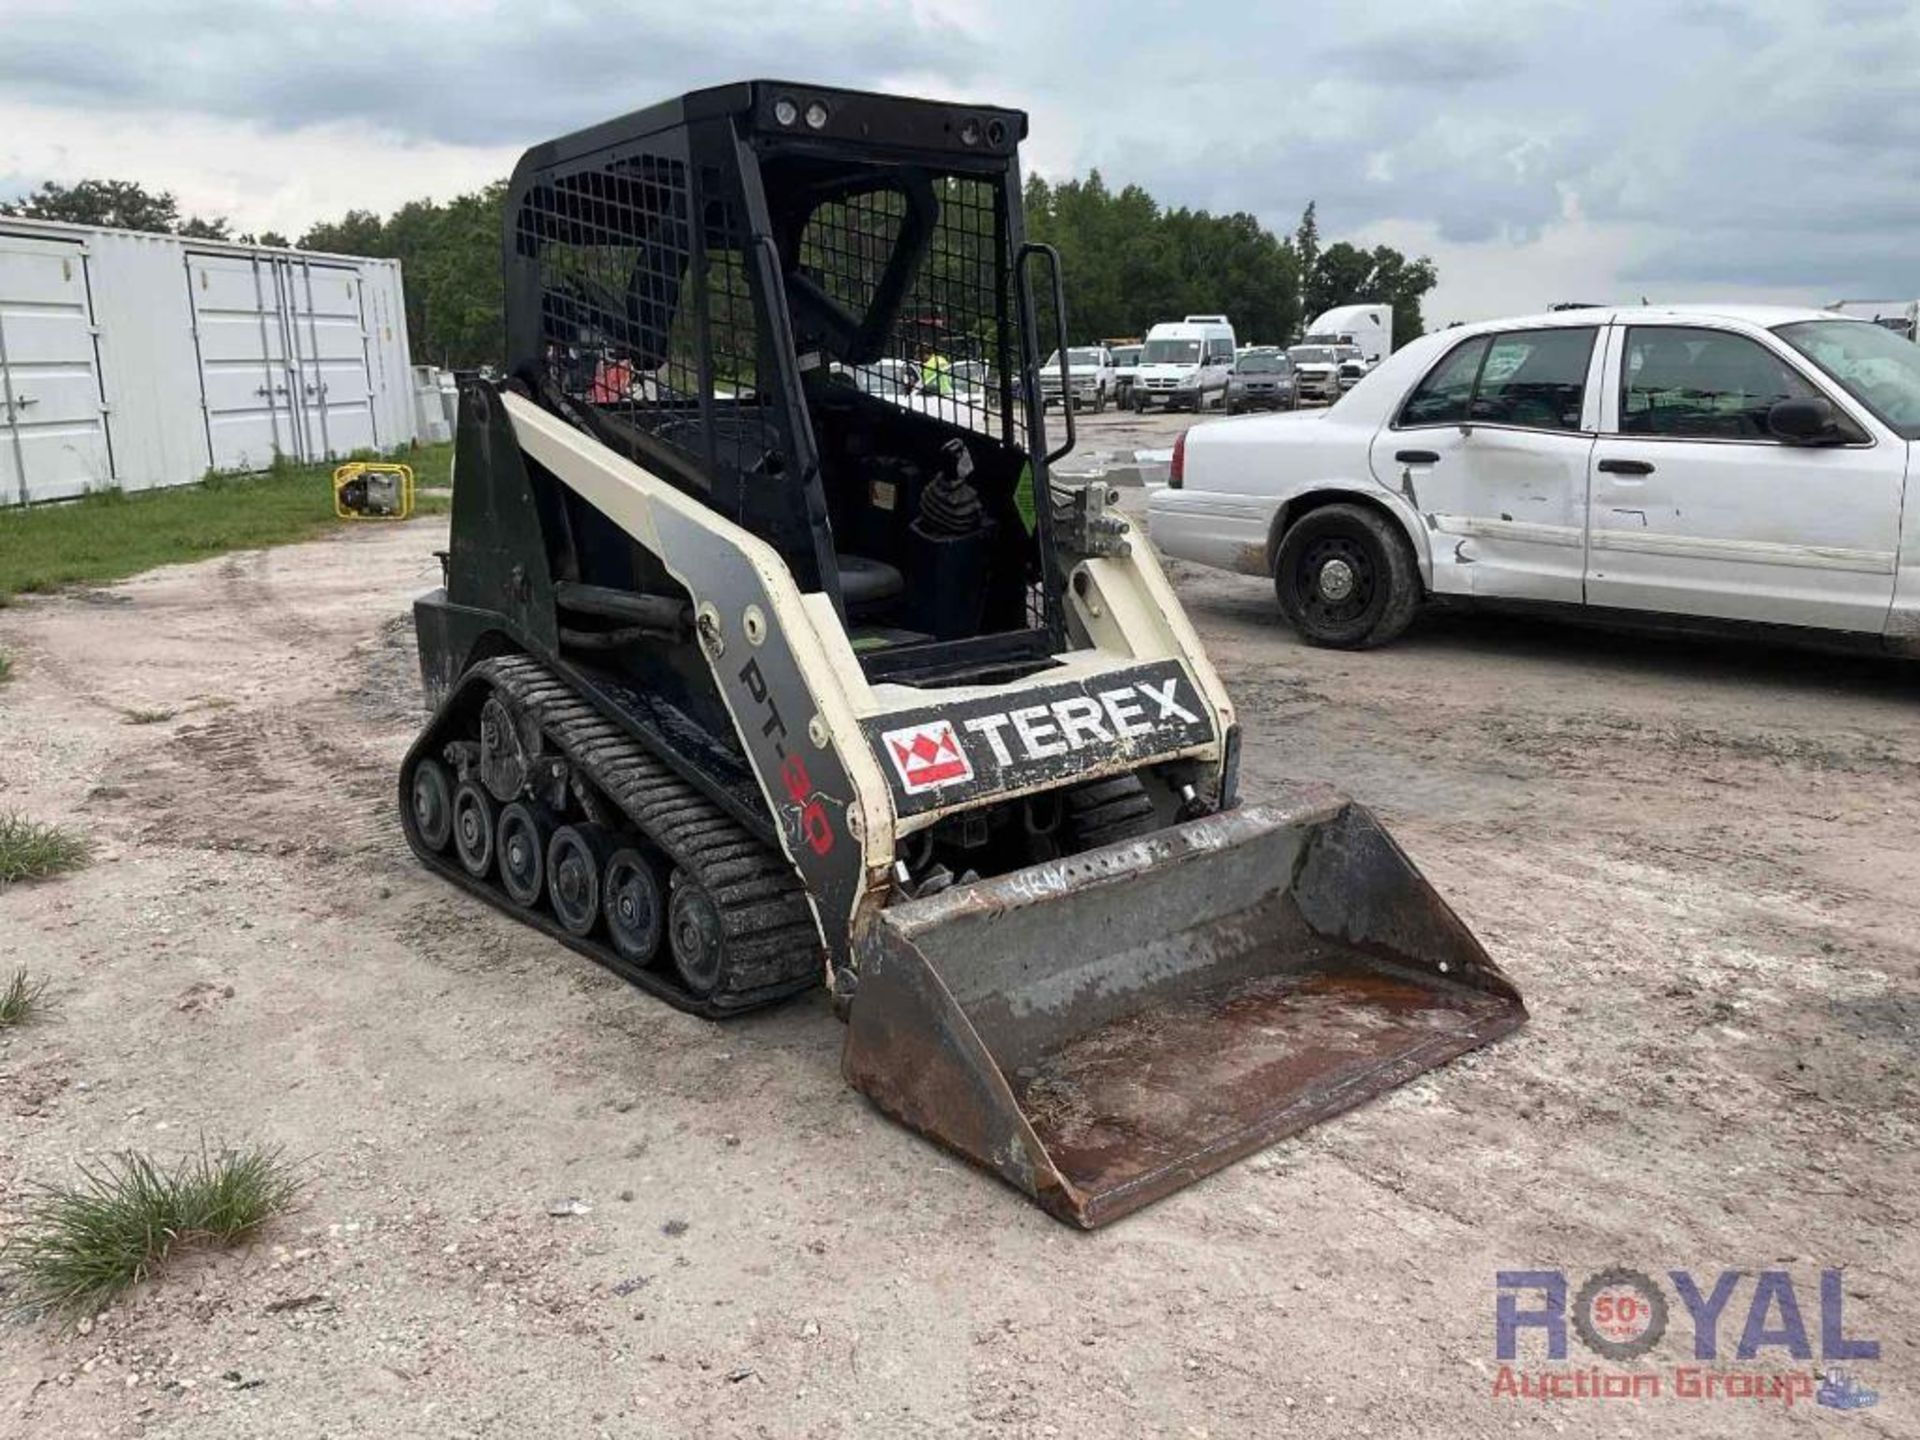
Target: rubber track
[1104, 811]
[773, 946]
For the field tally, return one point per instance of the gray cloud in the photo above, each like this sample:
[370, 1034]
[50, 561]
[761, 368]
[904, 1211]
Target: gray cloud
[1736, 142]
[1427, 57]
[1502, 182]
[461, 75]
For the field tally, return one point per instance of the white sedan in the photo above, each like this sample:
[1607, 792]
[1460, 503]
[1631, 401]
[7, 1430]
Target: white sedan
[1724, 463]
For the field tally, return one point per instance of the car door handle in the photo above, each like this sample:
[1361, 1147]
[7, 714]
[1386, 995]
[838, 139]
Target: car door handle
[1416, 457]
[1625, 467]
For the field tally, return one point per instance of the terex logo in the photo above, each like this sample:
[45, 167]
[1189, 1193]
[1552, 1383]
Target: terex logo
[1061, 726]
[928, 756]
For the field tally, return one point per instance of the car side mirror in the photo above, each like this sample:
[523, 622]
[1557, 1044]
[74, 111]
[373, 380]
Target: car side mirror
[1809, 420]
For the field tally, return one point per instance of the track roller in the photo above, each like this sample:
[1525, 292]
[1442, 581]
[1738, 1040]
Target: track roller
[525, 830]
[695, 935]
[433, 804]
[636, 906]
[473, 828]
[577, 858]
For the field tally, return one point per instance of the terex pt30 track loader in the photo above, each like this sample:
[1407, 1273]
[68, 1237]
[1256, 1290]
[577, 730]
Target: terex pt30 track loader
[769, 653]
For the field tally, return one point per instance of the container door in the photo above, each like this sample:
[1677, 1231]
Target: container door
[245, 387]
[12, 492]
[330, 344]
[53, 426]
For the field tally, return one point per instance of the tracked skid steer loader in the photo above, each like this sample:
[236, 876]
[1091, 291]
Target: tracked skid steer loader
[771, 655]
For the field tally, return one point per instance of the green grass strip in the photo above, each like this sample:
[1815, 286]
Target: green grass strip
[112, 534]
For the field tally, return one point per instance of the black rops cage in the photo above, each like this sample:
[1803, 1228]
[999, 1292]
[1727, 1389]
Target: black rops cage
[770, 294]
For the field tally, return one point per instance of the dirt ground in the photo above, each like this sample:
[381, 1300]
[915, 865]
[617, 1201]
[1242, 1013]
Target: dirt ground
[1697, 860]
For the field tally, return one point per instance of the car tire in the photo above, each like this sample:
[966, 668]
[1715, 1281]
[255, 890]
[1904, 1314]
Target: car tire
[1346, 578]
[1230, 405]
[1100, 400]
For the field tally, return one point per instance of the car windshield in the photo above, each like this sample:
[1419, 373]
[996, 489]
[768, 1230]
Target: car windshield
[1083, 359]
[1170, 352]
[1877, 367]
[1127, 355]
[1265, 364]
[1310, 355]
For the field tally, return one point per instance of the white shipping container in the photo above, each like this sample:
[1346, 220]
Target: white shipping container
[132, 360]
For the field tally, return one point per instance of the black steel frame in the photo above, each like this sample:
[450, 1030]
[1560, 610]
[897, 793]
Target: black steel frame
[646, 276]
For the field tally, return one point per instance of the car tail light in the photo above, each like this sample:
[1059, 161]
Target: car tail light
[1177, 471]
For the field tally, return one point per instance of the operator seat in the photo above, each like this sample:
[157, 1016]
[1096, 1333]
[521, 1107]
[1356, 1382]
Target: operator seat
[867, 586]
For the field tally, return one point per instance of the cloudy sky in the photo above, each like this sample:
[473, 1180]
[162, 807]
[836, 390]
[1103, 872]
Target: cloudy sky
[1538, 150]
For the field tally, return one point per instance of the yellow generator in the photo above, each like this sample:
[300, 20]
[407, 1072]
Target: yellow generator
[373, 490]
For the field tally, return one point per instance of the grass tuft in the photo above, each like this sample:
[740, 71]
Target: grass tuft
[22, 1000]
[83, 1244]
[6, 667]
[138, 716]
[32, 851]
[111, 534]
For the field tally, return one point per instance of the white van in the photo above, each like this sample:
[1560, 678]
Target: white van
[1368, 326]
[1184, 364]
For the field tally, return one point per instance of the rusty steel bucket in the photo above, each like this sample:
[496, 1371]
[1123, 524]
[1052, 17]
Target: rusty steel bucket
[1105, 1029]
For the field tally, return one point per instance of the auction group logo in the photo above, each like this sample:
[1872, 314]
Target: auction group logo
[1622, 1315]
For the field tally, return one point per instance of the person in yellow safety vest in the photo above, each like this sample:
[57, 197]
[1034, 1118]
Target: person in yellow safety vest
[936, 375]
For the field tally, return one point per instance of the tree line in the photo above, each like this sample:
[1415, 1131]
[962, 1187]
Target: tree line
[1127, 261]
[125, 205]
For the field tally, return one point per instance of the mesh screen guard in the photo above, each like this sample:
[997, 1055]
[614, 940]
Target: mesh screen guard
[680, 293]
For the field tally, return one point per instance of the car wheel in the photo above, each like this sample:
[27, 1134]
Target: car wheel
[1231, 405]
[1100, 400]
[1346, 578]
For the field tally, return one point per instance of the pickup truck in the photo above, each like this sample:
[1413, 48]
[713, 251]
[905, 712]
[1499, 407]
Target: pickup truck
[1715, 465]
[1089, 374]
[1316, 370]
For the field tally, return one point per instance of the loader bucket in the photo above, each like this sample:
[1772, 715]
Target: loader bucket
[1104, 1029]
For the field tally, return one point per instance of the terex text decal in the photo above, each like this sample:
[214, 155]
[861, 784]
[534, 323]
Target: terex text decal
[943, 753]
